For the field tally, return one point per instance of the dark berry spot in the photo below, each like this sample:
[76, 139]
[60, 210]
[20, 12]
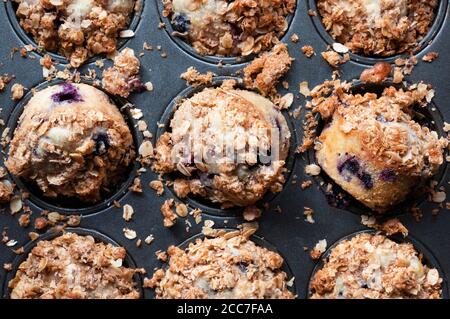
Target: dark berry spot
[69, 94]
[351, 165]
[243, 266]
[207, 179]
[102, 143]
[180, 22]
[135, 85]
[366, 179]
[388, 175]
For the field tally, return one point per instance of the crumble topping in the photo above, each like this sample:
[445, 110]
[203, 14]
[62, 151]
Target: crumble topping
[229, 28]
[76, 267]
[375, 267]
[72, 142]
[264, 72]
[123, 78]
[376, 147]
[209, 122]
[76, 29]
[226, 267]
[378, 27]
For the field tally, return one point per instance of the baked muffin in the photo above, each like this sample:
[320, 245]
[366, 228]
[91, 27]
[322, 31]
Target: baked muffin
[373, 147]
[378, 27]
[229, 28]
[227, 145]
[72, 266]
[222, 268]
[76, 29]
[372, 266]
[71, 141]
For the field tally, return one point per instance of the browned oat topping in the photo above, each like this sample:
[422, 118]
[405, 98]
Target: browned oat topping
[377, 27]
[265, 72]
[123, 78]
[210, 116]
[77, 151]
[374, 267]
[77, 29]
[229, 266]
[335, 59]
[377, 74]
[373, 147]
[229, 28]
[75, 267]
[430, 57]
[195, 78]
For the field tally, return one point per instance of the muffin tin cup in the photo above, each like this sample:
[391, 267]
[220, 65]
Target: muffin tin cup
[428, 258]
[50, 235]
[434, 120]
[205, 204]
[187, 47]
[261, 242]
[282, 223]
[62, 205]
[27, 39]
[369, 60]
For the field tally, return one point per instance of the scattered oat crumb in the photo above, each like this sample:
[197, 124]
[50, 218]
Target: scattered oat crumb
[252, 213]
[308, 213]
[149, 239]
[181, 209]
[308, 51]
[17, 91]
[377, 74]
[312, 170]
[430, 57]
[195, 78]
[129, 233]
[128, 212]
[319, 249]
[295, 38]
[305, 185]
[170, 217]
[157, 186]
[264, 72]
[334, 59]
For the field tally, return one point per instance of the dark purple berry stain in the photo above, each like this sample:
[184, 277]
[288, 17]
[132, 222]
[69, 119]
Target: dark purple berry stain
[388, 175]
[351, 165]
[180, 23]
[102, 143]
[69, 94]
[243, 266]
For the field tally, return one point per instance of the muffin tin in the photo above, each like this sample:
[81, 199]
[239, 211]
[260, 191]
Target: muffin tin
[282, 224]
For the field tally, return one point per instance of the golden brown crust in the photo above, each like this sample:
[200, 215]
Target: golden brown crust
[75, 267]
[219, 268]
[374, 267]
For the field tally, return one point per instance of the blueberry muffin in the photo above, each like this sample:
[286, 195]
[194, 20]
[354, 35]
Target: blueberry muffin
[222, 268]
[74, 267]
[76, 29]
[374, 148]
[374, 267]
[378, 27]
[229, 28]
[71, 141]
[227, 145]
